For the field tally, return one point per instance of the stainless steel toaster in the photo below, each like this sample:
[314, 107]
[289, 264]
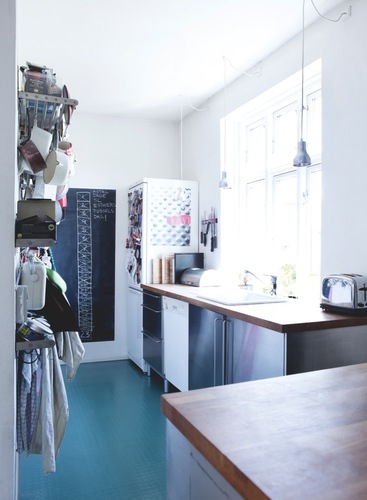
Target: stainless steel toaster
[345, 293]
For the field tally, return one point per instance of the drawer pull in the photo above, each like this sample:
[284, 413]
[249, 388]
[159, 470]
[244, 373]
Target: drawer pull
[151, 309]
[154, 339]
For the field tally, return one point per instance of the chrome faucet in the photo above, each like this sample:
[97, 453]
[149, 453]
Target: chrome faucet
[273, 281]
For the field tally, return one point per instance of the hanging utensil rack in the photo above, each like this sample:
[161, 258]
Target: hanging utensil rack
[48, 98]
[48, 109]
[34, 344]
[206, 224]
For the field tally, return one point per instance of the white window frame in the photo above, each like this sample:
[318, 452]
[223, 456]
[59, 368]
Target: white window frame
[284, 96]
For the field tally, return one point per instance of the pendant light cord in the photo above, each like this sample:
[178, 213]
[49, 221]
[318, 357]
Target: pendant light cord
[181, 143]
[303, 66]
[225, 116]
[198, 109]
[244, 73]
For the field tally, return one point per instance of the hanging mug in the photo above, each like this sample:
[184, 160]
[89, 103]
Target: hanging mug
[57, 169]
[32, 156]
[66, 147]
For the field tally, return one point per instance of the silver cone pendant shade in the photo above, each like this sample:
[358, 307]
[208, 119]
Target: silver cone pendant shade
[223, 184]
[302, 158]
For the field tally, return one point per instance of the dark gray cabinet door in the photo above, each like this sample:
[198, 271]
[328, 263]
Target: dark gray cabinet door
[152, 331]
[206, 348]
[322, 349]
[253, 352]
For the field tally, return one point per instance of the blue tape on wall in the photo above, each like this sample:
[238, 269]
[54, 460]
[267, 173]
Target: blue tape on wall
[85, 257]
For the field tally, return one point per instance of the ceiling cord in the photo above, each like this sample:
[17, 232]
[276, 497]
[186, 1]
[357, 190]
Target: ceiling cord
[256, 73]
[244, 73]
[327, 18]
[197, 109]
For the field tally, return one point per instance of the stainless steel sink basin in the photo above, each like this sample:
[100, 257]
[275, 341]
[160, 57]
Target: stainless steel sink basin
[237, 296]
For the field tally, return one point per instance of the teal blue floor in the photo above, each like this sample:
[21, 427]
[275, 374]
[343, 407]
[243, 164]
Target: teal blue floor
[114, 445]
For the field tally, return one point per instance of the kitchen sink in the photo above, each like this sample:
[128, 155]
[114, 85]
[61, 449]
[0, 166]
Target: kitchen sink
[238, 296]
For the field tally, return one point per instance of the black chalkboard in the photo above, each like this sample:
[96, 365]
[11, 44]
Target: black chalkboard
[84, 255]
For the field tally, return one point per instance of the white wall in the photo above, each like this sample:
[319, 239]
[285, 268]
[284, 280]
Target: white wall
[343, 49]
[344, 237]
[7, 195]
[113, 153]
[201, 162]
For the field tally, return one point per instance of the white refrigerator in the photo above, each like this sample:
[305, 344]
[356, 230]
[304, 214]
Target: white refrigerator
[162, 220]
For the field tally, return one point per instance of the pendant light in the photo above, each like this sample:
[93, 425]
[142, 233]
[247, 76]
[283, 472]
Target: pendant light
[223, 184]
[302, 158]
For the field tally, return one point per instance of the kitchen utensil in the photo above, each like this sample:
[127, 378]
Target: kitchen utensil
[42, 139]
[214, 230]
[32, 156]
[56, 172]
[203, 226]
[206, 232]
[212, 222]
[66, 147]
[212, 233]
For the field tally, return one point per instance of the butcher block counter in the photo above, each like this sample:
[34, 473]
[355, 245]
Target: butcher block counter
[302, 436]
[283, 317]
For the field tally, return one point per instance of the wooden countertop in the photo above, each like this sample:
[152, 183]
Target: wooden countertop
[296, 437]
[284, 317]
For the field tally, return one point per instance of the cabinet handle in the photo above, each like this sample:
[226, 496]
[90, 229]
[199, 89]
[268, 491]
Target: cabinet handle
[154, 339]
[151, 309]
[229, 352]
[150, 294]
[215, 349]
[224, 352]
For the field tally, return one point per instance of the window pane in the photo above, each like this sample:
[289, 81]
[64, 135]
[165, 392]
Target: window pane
[255, 228]
[285, 134]
[256, 147]
[285, 231]
[314, 138]
[279, 225]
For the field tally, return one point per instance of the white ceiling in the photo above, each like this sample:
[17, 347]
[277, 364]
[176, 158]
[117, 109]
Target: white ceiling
[144, 58]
